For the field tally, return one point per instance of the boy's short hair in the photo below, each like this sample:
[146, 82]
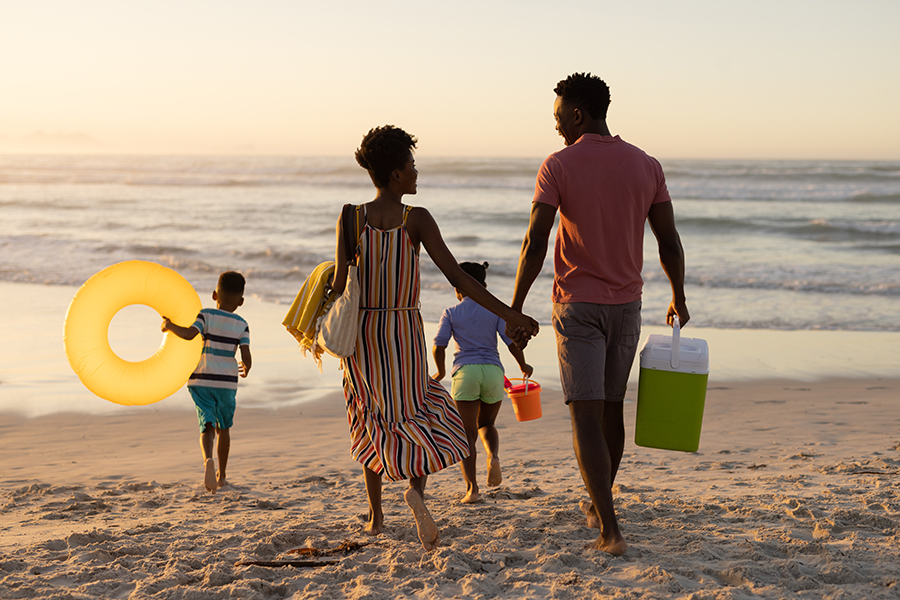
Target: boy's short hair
[585, 91]
[231, 282]
[476, 270]
[383, 150]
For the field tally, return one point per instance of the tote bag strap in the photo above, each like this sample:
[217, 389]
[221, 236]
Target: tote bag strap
[350, 222]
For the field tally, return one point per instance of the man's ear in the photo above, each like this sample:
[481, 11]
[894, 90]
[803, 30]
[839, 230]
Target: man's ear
[576, 116]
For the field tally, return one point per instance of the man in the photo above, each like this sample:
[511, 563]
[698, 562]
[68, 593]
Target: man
[604, 190]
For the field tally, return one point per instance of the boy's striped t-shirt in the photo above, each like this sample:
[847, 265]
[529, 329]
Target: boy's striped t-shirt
[222, 333]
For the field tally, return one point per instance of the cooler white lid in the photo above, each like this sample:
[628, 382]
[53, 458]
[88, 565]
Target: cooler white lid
[692, 355]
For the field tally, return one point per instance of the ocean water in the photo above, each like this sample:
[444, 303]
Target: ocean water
[769, 244]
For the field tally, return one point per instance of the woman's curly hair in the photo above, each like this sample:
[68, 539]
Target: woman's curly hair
[383, 150]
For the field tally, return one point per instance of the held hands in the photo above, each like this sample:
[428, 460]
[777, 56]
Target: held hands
[521, 328]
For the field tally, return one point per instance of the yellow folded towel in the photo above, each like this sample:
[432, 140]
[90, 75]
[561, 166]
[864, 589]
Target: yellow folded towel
[304, 317]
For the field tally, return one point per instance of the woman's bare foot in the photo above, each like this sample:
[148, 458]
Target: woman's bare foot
[494, 475]
[221, 481]
[209, 476]
[375, 525]
[587, 508]
[427, 528]
[472, 495]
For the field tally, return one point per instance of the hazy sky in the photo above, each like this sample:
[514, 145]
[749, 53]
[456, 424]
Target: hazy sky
[693, 79]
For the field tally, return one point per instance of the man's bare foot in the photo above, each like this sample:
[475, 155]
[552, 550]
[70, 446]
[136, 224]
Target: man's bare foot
[472, 496]
[427, 528]
[209, 477]
[615, 546]
[494, 476]
[375, 525]
[587, 508]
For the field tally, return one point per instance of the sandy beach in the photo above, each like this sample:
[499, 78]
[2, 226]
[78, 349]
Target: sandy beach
[792, 494]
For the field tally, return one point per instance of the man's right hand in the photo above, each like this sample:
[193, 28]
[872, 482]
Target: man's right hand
[680, 309]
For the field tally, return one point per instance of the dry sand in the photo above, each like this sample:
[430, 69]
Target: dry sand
[793, 494]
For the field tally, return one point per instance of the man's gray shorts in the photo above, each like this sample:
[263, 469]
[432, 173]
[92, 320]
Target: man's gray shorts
[596, 344]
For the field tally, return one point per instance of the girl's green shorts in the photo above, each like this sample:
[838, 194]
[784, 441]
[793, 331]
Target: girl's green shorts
[478, 382]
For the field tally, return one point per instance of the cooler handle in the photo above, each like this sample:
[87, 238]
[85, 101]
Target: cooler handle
[676, 341]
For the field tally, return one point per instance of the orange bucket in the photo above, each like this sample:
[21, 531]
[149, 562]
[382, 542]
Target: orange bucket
[526, 399]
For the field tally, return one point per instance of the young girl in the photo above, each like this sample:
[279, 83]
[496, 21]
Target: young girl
[403, 425]
[477, 375]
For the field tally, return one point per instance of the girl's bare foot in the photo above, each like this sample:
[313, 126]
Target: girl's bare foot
[209, 476]
[494, 476]
[427, 528]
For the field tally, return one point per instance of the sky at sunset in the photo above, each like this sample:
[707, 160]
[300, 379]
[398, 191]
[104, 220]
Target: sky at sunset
[815, 79]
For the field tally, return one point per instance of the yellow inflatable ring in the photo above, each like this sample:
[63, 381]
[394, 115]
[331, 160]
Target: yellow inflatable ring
[87, 333]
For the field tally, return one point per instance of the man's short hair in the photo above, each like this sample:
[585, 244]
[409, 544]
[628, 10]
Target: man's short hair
[585, 91]
[383, 150]
[231, 282]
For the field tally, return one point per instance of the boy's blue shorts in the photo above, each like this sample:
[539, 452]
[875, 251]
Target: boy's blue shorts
[214, 405]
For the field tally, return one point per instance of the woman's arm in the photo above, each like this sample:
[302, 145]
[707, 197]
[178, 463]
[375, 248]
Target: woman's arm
[424, 230]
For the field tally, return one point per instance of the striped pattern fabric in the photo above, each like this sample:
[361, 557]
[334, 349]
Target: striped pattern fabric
[222, 333]
[403, 424]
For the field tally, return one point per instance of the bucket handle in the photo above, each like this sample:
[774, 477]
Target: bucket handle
[508, 384]
[676, 341]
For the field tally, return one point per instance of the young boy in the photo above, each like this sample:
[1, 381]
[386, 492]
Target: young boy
[213, 384]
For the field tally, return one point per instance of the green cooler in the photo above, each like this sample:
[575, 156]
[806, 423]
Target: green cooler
[671, 392]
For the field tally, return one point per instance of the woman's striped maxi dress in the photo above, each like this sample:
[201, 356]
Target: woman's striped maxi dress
[402, 423]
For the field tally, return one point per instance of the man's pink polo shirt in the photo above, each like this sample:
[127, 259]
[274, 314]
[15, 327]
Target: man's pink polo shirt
[603, 188]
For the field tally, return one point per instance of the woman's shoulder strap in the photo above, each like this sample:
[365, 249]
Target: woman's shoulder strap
[406, 210]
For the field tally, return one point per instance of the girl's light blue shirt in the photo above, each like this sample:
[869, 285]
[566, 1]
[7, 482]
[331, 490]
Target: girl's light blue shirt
[475, 330]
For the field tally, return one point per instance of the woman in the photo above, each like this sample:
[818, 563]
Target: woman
[403, 425]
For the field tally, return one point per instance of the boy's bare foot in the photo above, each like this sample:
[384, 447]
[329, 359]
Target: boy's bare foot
[375, 525]
[427, 528]
[587, 508]
[494, 476]
[615, 546]
[209, 477]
